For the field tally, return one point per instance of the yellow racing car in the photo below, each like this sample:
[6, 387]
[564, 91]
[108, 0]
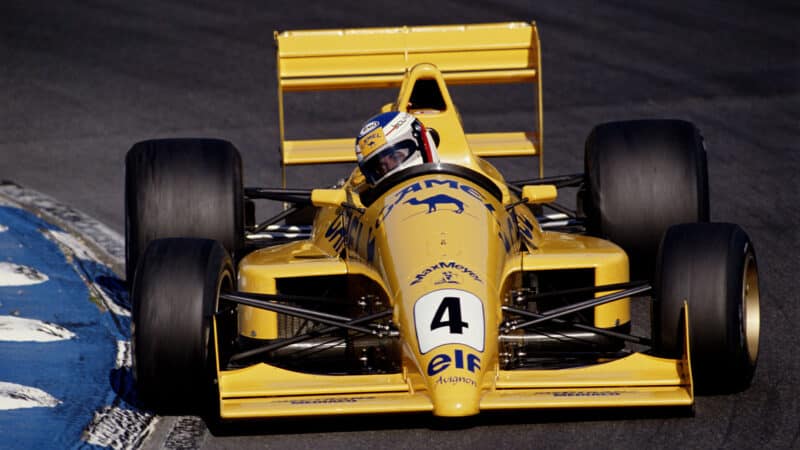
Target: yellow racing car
[426, 281]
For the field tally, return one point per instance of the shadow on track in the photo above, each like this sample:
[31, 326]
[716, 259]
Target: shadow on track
[377, 422]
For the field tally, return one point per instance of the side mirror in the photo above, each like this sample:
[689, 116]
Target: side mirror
[539, 193]
[328, 197]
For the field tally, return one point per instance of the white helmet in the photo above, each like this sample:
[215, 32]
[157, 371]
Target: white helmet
[390, 142]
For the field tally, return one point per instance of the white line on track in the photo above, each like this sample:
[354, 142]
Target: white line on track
[123, 354]
[17, 275]
[16, 396]
[18, 329]
[76, 247]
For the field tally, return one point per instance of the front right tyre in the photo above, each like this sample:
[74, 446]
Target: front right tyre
[182, 188]
[711, 266]
[175, 302]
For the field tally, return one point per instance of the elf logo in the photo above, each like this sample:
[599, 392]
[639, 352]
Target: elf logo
[470, 362]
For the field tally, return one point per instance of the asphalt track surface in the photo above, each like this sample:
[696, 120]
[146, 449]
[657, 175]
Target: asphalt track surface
[80, 82]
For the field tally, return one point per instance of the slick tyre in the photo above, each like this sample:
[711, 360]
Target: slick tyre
[712, 266]
[182, 188]
[642, 177]
[175, 298]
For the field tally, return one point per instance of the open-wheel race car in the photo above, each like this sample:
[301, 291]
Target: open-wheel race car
[440, 287]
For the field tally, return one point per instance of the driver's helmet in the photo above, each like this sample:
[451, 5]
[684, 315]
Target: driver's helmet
[390, 142]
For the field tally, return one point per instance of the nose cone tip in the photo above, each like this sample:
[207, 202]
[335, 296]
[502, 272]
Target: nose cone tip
[449, 402]
[456, 410]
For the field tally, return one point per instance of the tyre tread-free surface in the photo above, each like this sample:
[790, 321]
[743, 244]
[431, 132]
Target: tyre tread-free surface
[644, 176]
[182, 188]
[711, 266]
[175, 294]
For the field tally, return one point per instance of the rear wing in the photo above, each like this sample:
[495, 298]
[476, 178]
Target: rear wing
[379, 58]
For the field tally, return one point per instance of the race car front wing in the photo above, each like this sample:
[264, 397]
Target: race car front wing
[636, 380]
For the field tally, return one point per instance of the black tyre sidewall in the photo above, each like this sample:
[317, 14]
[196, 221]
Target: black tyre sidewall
[182, 188]
[642, 177]
[175, 295]
[704, 264]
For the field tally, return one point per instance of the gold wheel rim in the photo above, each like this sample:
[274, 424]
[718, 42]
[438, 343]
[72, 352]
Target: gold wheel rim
[751, 314]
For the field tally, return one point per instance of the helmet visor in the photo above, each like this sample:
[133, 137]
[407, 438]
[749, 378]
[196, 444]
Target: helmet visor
[387, 159]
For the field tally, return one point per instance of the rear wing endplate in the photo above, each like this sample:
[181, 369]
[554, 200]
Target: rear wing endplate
[379, 58]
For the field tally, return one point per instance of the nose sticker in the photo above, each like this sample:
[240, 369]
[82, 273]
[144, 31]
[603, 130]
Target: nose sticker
[449, 316]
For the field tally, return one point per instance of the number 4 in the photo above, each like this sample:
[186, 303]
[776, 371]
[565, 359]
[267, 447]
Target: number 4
[452, 307]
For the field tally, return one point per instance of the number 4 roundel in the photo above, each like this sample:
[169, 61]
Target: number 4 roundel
[449, 316]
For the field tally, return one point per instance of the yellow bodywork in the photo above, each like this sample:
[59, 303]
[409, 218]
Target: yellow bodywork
[430, 238]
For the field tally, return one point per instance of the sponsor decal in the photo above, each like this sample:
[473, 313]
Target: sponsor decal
[443, 361]
[449, 316]
[335, 234]
[525, 227]
[438, 199]
[586, 393]
[456, 380]
[347, 230]
[324, 401]
[401, 196]
[396, 123]
[371, 142]
[448, 267]
[368, 127]
[508, 231]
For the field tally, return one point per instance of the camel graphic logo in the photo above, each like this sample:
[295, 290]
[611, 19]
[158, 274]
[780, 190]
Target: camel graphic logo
[438, 199]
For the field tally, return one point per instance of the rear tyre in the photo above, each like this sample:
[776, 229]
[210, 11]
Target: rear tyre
[175, 297]
[642, 177]
[713, 267]
[182, 188]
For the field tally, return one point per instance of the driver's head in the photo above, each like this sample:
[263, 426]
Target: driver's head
[392, 141]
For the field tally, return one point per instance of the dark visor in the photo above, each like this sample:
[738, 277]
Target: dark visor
[383, 161]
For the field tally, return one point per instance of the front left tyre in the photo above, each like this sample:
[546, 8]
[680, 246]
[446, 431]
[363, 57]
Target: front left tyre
[643, 176]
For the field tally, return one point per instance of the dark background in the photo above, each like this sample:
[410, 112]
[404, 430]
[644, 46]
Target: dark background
[81, 81]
